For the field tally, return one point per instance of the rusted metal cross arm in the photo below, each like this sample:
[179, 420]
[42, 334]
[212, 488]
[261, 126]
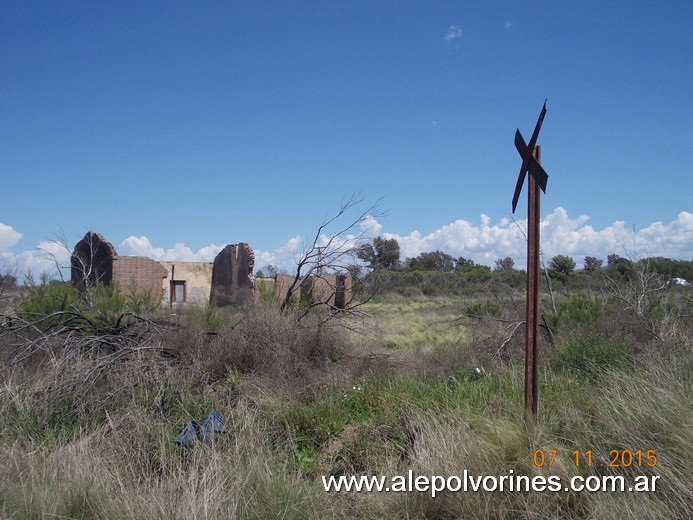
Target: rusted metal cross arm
[535, 168]
[527, 156]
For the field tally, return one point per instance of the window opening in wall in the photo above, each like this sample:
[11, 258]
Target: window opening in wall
[177, 291]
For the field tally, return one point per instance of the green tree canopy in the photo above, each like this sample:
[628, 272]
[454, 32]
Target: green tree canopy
[505, 264]
[592, 263]
[562, 264]
[269, 271]
[464, 264]
[381, 253]
[435, 261]
[671, 268]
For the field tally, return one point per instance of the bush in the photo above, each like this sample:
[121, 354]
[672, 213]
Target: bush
[207, 318]
[587, 353]
[50, 304]
[47, 299]
[260, 339]
[483, 308]
[575, 310]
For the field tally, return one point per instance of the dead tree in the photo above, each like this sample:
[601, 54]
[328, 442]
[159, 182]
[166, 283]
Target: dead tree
[642, 289]
[326, 260]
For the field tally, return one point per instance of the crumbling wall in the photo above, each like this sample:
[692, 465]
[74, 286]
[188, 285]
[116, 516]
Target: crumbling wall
[232, 276]
[91, 262]
[137, 274]
[282, 282]
[343, 293]
[332, 289]
[197, 277]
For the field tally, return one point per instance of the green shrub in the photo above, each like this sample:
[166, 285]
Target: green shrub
[105, 303]
[588, 353]
[267, 292]
[575, 310]
[483, 308]
[50, 304]
[309, 426]
[206, 317]
[143, 302]
[46, 299]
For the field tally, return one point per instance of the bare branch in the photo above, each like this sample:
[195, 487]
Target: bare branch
[500, 354]
[332, 251]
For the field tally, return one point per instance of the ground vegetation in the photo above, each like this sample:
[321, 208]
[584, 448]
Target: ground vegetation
[428, 379]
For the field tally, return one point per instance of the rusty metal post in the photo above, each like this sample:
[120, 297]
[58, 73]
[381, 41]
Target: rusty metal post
[531, 159]
[533, 279]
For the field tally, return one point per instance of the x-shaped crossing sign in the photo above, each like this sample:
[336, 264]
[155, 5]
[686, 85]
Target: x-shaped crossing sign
[538, 178]
[529, 163]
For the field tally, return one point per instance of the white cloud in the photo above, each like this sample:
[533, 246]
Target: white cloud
[483, 242]
[283, 258]
[560, 234]
[453, 33]
[508, 24]
[669, 240]
[56, 252]
[370, 227]
[8, 237]
[48, 257]
[141, 246]
[263, 258]
[293, 246]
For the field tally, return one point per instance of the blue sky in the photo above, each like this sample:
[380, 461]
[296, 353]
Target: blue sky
[175, 128]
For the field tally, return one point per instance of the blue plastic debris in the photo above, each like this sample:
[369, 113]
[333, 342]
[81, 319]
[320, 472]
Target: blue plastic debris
[206, 430]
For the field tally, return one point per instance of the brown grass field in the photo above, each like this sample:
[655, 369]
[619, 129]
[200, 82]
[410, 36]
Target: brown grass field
[91, 403]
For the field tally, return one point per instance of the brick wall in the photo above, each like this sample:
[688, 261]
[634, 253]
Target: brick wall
[137, 274]
[232, 275]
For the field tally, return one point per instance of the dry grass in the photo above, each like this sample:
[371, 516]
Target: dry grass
[419, 325]
[302, 400]
[107, 475]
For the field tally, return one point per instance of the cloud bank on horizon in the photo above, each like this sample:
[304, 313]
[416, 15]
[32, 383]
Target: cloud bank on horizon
[482, 242]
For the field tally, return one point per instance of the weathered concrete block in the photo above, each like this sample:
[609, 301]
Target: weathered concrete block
[232, 276]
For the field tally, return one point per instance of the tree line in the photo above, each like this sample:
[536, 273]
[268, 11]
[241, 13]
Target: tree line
[382, 254]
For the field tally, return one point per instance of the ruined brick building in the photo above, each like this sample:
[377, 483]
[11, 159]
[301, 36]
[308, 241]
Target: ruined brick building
[228, 280]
